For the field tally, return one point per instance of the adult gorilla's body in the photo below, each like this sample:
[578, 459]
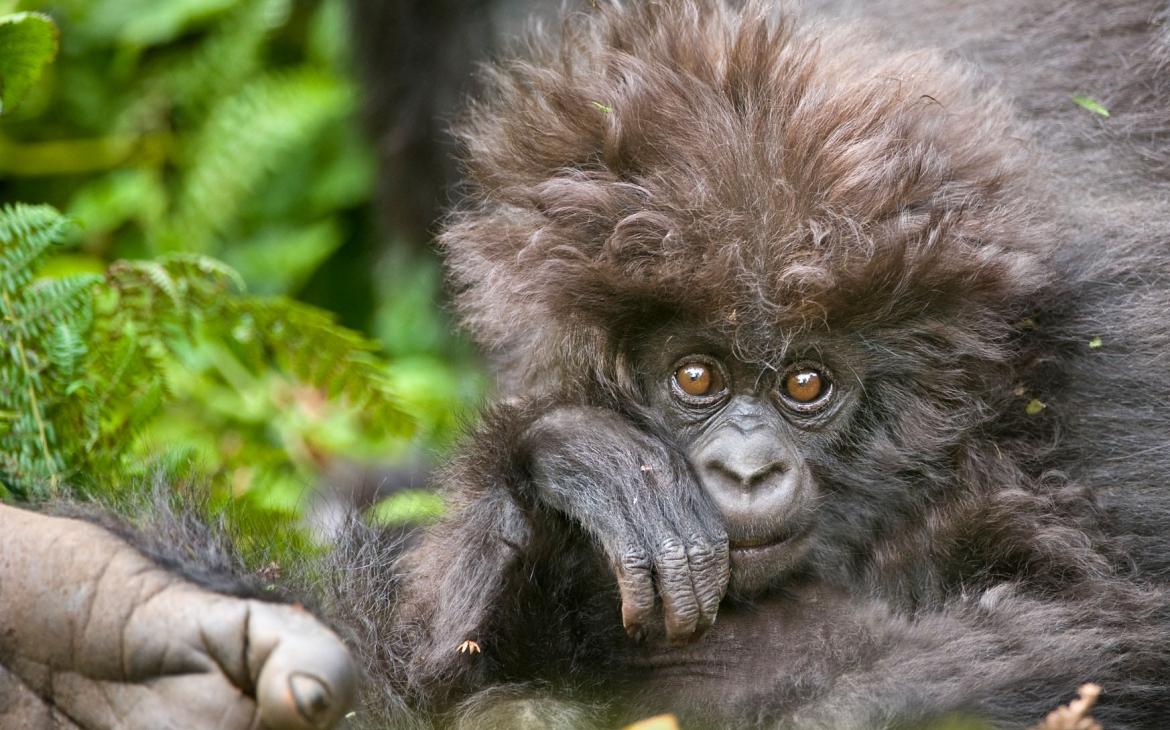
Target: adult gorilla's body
[968, 515]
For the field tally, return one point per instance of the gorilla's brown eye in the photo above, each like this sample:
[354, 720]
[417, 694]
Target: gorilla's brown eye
[698, 379]
[805, 387]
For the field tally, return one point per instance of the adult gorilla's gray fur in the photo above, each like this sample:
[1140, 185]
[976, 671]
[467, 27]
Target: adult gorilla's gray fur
[834, 372]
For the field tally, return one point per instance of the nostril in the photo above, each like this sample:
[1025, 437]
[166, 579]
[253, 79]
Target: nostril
[745, 476]
[717, 467]
[766, 473]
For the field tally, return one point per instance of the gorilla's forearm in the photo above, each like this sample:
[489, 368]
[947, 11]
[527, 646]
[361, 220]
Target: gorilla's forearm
[999, 657]
[637, 498]
[573, 493]
[93, 631]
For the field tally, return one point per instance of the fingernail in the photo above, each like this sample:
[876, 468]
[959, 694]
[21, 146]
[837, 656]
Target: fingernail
[312, 697]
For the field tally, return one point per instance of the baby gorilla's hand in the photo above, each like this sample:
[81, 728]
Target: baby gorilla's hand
[94, 635]
[640, 501]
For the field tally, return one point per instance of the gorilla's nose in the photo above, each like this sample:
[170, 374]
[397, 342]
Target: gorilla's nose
[751, 475]
[747, 470]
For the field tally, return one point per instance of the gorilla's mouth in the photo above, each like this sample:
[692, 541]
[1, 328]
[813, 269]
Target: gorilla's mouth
[758, 561]
[757, 544]
[754, 543]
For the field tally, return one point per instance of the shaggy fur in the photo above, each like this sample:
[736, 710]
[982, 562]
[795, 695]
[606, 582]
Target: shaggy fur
[963, 232]
[728, 167]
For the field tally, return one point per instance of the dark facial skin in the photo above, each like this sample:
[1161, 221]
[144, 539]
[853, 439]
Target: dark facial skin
[748, 429]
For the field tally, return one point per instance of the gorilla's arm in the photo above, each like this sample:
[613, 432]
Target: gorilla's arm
[578, 488]
[93, 634]
[817, 658]
[638, 499]
[1000, 656]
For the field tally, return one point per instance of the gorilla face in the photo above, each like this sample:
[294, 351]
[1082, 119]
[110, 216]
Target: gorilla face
[754, 433]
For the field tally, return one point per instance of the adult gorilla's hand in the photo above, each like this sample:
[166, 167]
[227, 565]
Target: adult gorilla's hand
[94, 635]
[640, 501]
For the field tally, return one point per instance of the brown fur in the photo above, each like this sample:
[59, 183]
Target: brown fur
[955, 228]
[766, 175]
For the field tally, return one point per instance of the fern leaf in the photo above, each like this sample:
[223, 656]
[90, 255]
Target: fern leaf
[66, 349]
[27, 232]
[244, 139]
[314, 348]
[31, 379]
[47, 303]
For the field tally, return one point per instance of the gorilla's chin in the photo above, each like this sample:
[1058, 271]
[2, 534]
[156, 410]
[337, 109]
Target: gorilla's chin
[757, 566]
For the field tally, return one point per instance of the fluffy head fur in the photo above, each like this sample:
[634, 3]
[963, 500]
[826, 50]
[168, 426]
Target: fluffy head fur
[659, 155]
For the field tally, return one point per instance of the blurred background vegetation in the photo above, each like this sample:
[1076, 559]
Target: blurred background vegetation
[186, 142]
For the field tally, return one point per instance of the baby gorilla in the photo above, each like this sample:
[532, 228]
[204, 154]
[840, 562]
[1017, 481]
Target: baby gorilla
[796, 338]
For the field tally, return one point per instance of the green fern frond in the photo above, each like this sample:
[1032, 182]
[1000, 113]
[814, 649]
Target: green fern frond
[230, 55]
[66, 349]
[32, 382]
[27, 232]
[309, 344]
[243, 140]
[178, 285]
[47, 303]
[215, 275]
[87, 359]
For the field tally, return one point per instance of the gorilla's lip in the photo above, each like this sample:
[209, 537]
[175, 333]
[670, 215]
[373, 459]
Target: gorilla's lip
[750, 545]
[754, 543]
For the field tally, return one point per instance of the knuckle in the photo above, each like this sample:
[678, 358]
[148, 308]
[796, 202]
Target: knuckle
[701, 553]
[672, 554]
[709, 596]
[722, 552]
[635, 560]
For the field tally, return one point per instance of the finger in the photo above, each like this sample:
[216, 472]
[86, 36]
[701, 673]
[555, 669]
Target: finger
[636, 585]
[709, 574]
[707, 554]
[679, 605]
[139, 643]
[306, 679]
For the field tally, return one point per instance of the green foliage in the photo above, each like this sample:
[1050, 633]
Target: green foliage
[42, 326]
[29, 41]
[93, 364]
[1090, 104]
[209, 126]
[409, 506]
[178, 135]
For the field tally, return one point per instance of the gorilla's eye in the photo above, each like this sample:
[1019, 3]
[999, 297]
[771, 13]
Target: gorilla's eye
[698, 379]
[805, 388]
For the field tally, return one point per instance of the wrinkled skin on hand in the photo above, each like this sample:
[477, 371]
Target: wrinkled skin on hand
[95, 635]
[640, 502]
